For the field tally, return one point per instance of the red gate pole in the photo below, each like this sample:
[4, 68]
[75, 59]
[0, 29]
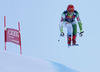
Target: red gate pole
[5, 30]
[19, 38]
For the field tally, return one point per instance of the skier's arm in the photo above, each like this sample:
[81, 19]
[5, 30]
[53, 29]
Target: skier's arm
[61, 26]
[79, 22]
[61, 22]
[61, 29]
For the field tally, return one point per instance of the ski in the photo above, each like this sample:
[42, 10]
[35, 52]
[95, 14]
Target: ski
[73, 45]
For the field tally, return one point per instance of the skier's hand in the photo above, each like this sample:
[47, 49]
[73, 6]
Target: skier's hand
[81, 33]
[62, 34]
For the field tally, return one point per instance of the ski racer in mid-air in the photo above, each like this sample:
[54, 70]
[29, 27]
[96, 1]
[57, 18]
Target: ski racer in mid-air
[68, 21]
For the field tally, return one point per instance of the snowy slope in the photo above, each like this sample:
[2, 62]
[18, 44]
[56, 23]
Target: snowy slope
[10, 62]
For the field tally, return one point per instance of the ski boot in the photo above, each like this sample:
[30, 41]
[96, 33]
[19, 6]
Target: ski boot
[69, 40]
[74, 41]
[69, 45]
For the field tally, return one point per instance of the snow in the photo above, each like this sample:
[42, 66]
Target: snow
[12, 62]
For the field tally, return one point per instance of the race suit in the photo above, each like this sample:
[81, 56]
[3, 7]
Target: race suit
[69, 22]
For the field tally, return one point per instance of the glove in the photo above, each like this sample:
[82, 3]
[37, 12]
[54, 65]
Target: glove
[81, 33]
[62, 34]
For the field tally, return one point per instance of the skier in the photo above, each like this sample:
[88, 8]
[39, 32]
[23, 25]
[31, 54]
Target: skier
[68, 21]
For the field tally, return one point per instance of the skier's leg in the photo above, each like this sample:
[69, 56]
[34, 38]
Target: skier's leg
[74, 33]
[69, 33]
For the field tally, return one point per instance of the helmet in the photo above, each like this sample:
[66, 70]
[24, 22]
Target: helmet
[70, 8]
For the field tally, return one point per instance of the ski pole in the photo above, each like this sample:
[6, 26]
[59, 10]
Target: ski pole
[59, 39]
